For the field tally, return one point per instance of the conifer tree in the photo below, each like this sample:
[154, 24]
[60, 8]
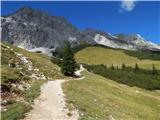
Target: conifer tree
[112, 67]
[117, 67]
[154, 70]
[136, 67]
[123, 66]
[68, 64]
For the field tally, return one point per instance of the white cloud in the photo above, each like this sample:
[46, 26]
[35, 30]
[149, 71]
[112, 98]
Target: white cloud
[127, 5]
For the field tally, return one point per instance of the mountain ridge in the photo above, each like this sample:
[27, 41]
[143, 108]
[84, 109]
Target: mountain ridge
[31, 29]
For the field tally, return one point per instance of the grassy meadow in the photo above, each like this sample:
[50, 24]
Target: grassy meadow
[95, 97]
[99, 98]
[116, 96]
[94, 55]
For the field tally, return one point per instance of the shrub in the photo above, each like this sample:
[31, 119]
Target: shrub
[112, 67]
[123, 66]
[136, 67]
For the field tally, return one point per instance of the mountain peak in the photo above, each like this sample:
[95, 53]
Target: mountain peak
[25, 10]
[31, 28]
[135, 35]
[28, 12]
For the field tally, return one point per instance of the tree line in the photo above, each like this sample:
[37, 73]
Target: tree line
[132, 76]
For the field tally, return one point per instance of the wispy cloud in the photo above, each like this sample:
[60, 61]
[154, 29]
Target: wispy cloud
[127, 5]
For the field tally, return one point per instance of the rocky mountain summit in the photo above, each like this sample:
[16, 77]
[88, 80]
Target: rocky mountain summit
[38, 31]
[30, 28]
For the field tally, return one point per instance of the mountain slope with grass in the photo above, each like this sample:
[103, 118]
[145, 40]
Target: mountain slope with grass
[108, 56]
[100, 98]
[116, 92]
[23, 73]
[92, 96]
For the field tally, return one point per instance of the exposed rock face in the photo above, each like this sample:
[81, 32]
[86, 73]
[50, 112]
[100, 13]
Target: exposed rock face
[138, 41]
[30, 29]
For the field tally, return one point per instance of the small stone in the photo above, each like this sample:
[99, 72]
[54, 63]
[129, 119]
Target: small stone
[82, 114]
[20, 87]
[13, 85]
[4, 101]
[111, 118]
[60, 109]
[5, 109]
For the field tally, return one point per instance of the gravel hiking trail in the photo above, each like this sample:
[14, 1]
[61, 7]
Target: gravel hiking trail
[50, 105]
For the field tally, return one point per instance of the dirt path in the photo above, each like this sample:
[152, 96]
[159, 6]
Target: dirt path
[50, 105]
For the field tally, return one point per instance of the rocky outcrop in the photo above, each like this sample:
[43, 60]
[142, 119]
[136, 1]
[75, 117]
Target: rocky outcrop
[30, 28]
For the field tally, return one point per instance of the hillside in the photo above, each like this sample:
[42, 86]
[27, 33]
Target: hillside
[23, 73]
[103, 99]
[103, 55]
[91, 97]
[41, 61]
[122, 93]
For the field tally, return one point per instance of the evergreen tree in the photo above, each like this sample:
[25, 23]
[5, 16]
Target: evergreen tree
[68, 64]
[112, 67]
[123, 66]
[154, 70]
[117, 67]
[136, 67]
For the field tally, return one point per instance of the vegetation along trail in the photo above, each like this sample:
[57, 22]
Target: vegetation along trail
[50, 105]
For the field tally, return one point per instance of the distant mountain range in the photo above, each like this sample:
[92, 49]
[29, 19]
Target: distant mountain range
[37, 30]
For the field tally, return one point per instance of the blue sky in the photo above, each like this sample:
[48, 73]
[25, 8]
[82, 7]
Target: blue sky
[114, 17]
